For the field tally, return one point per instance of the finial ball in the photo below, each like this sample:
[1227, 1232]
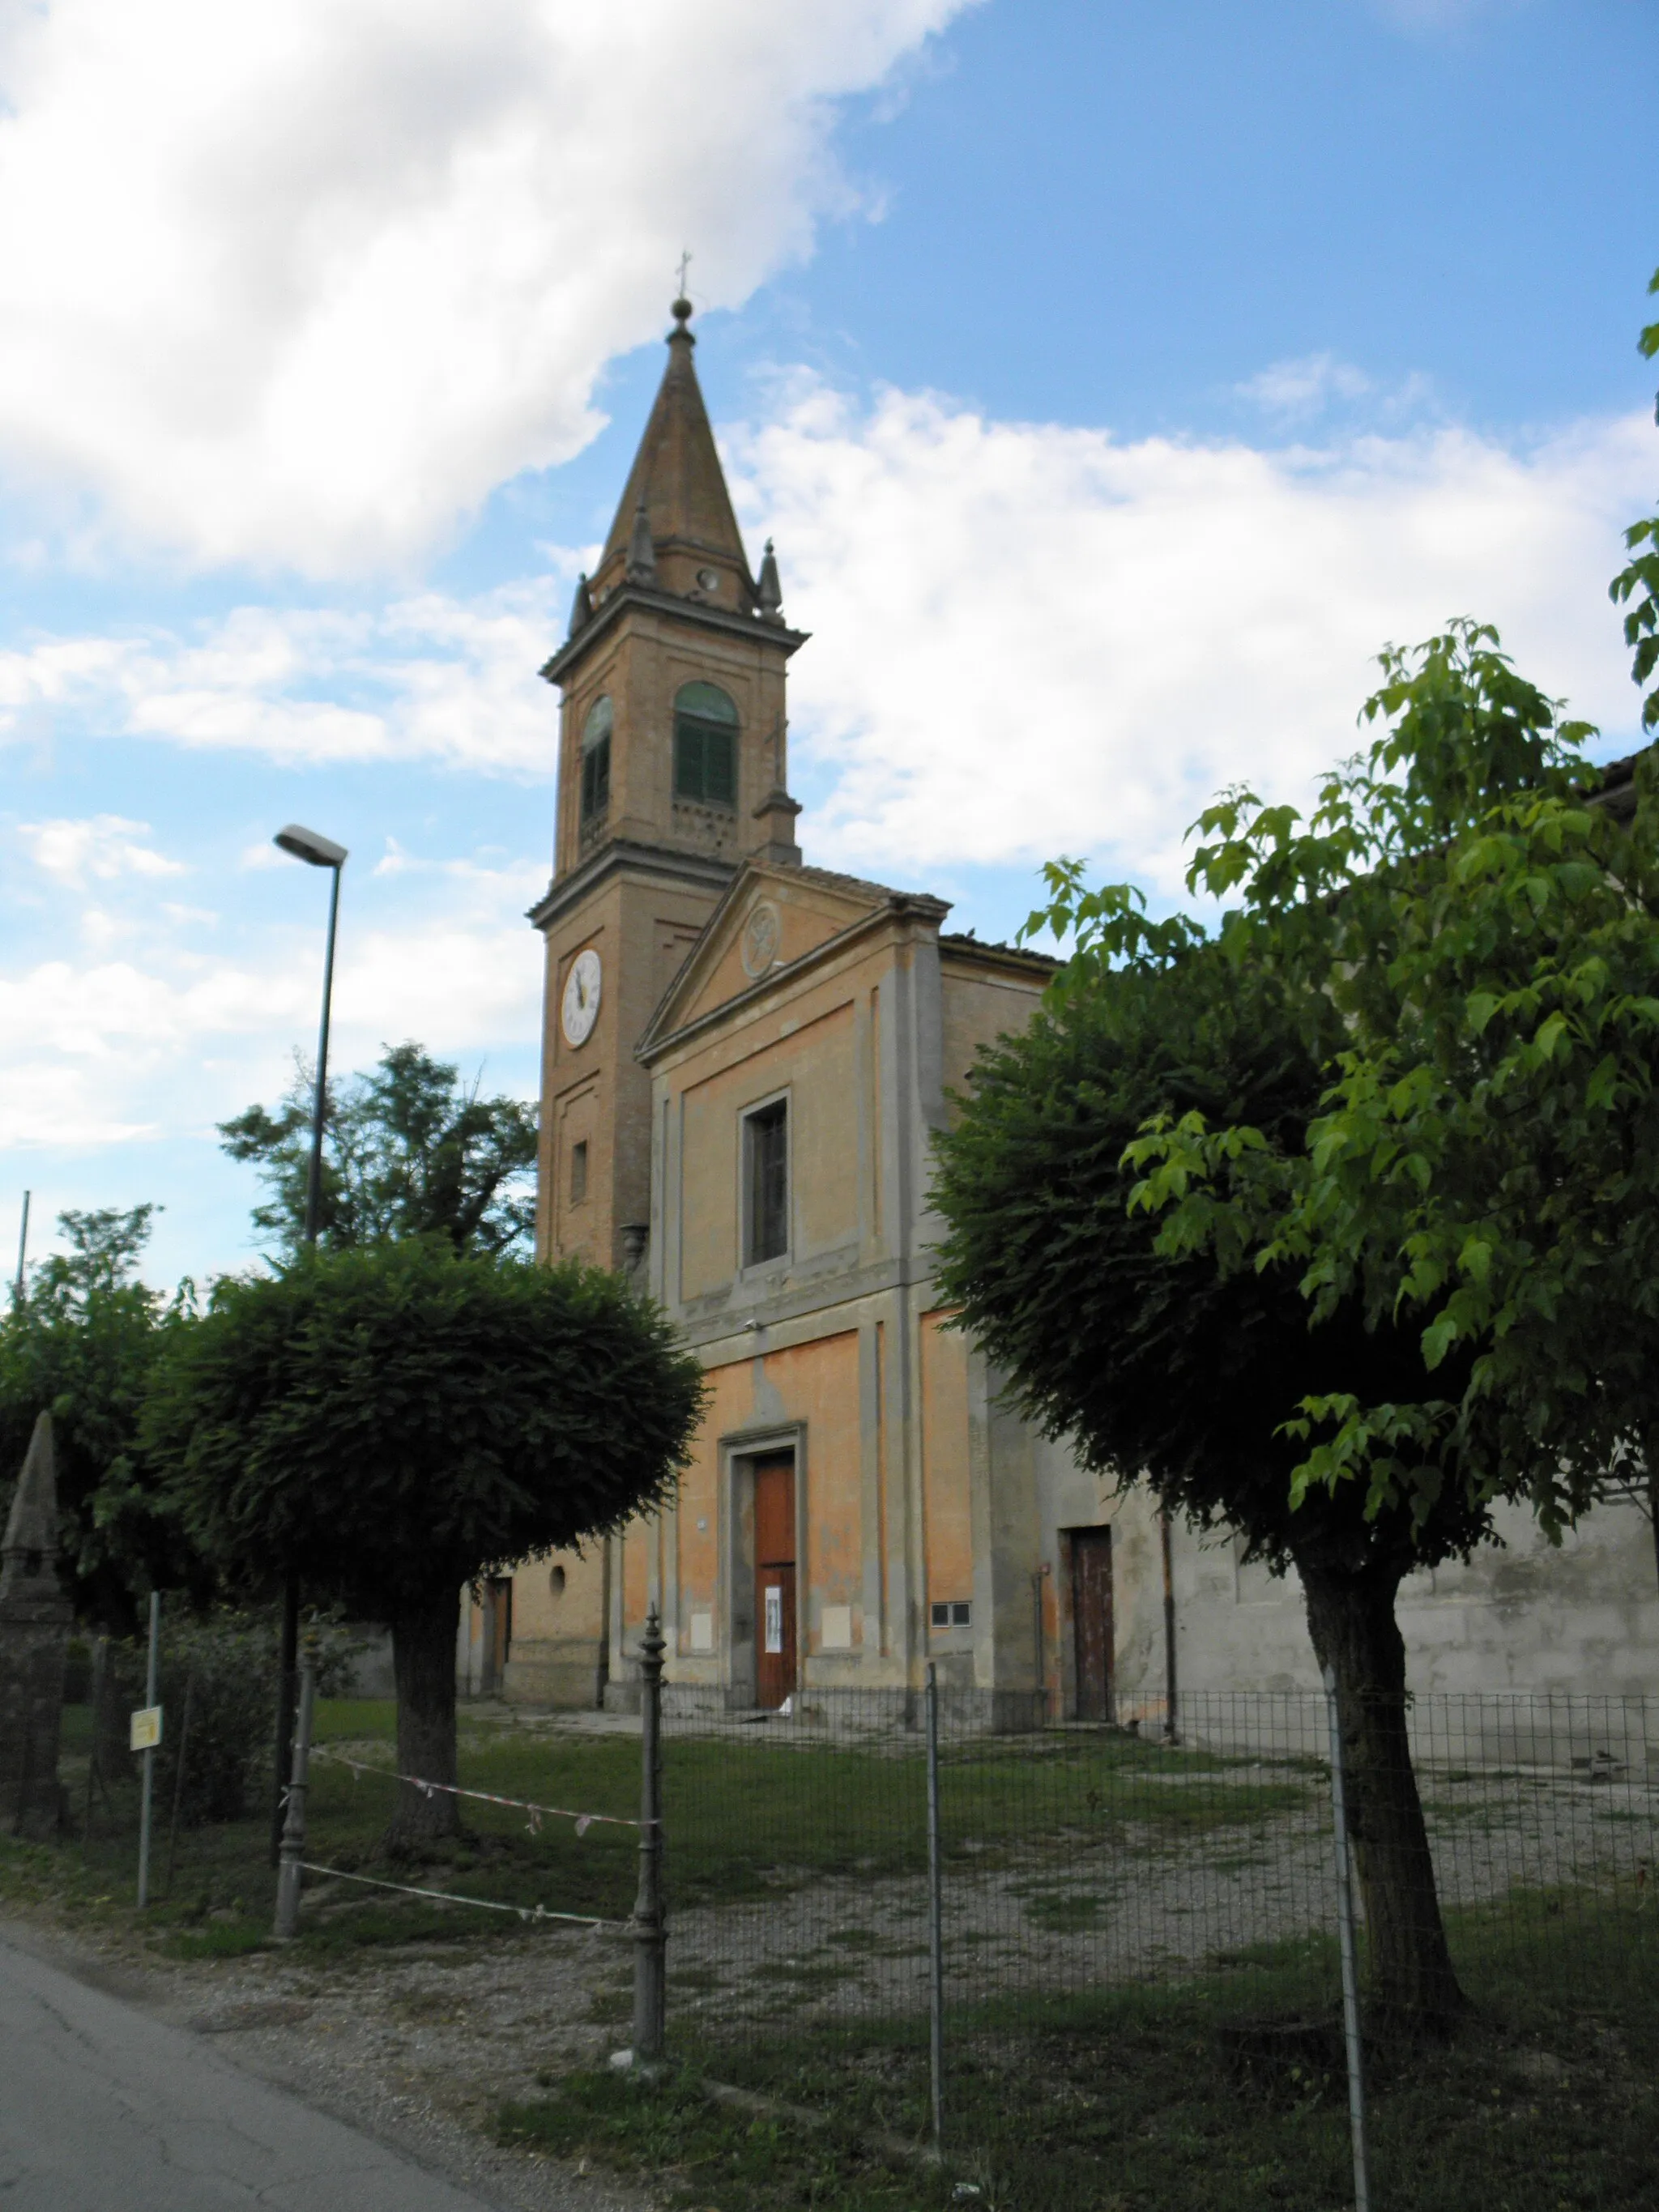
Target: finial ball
[681, 309]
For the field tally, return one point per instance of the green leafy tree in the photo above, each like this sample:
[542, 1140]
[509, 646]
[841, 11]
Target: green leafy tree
[79, 1344]
[1484, 1165]
[1635, 587]
[1175, 1371]
[395, 1423]
[408, 1151]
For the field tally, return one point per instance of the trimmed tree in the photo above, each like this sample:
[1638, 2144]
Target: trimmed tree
[398, 1422]
[1182, 1371]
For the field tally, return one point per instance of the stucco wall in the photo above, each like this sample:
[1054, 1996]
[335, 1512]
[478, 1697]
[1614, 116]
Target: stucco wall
[1521, 1617]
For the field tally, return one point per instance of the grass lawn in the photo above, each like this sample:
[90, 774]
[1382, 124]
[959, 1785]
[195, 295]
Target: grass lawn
[1138, 2101]
[746, 1818]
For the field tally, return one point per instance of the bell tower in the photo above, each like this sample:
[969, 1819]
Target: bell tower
[672, 770]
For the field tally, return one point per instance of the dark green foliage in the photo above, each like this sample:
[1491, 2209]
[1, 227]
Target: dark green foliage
[81, 1345]
[1153, 1364]
[407, 1151]
[217, 1685]
[394, 1423]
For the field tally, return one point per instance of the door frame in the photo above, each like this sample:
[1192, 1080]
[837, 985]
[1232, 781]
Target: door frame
[739, 1669]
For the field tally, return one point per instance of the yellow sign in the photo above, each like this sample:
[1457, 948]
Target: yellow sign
[146, 1730]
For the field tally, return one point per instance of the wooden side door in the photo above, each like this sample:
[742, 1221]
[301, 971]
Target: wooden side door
[497, 1625]
[1091, 1621]
[774, 1579]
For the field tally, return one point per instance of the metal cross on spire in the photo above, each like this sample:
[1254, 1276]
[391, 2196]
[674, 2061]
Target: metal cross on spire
[685, 263]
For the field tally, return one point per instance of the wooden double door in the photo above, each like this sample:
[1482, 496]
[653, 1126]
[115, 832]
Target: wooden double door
[775, 1638]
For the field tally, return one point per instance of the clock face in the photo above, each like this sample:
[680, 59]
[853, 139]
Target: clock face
[580, 1009]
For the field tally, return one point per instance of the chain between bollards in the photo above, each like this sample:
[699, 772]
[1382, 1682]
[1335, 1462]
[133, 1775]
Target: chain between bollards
[290, 1873]
[650, 1915]
[1351, 2035]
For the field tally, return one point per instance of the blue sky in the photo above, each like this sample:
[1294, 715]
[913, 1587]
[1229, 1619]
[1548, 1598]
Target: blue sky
[1114, 379]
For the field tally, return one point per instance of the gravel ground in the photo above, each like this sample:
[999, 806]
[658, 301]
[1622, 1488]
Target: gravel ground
[416, 2050]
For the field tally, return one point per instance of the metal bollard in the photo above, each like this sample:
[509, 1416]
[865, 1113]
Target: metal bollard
[1351, 2035]
[290, 1873]
[650, 1918]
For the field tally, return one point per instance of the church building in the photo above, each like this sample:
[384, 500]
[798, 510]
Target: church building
[744, 1060]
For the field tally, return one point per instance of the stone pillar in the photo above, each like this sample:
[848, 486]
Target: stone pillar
[34, 1626]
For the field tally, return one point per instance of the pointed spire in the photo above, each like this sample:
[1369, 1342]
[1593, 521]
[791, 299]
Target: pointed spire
[32, 1524]
[768, 591]
[581, 607]
[641, 553]
[676, 474]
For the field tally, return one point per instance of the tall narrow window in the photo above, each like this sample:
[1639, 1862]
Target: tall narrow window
[596, 761]
[705, 745]
[578, 1172]
[766, 1180]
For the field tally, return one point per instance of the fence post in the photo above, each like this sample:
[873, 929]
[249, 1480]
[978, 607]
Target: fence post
[1351, 2035]
[149, 1753]
[290, 1873]
[935, 1924]
[650, 1919]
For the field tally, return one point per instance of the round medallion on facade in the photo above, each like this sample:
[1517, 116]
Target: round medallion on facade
[708, 579]
[761, 933]
[580, 1009]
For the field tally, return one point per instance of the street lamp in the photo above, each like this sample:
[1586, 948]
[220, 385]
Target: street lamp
[319, 852]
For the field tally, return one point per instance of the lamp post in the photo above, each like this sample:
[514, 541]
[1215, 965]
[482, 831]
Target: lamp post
[319, 852]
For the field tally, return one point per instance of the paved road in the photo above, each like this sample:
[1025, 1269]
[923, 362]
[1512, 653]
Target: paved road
[103, 2109]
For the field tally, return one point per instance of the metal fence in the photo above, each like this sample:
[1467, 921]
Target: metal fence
[1076, 1870]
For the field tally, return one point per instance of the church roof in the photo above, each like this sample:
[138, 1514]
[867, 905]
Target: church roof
[677, 471]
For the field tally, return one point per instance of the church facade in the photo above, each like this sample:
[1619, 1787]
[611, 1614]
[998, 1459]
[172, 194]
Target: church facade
[746, 1059]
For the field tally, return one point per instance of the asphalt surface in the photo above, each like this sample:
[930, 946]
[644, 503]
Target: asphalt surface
[105, 2109]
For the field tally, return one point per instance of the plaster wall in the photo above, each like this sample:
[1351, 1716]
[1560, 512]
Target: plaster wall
[1521, 1617]
[558, 1630]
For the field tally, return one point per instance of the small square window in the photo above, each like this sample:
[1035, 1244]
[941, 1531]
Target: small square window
[952, 1613]
[962, 1614]
[941, 1616]
[578, 1172]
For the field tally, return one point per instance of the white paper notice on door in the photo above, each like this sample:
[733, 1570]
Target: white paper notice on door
[773, 1595]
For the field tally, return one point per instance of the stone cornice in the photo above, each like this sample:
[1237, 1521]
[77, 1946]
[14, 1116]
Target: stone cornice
[622, 855]
[699, 614]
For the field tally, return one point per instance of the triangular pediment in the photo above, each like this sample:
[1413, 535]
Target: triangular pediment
[771, 919]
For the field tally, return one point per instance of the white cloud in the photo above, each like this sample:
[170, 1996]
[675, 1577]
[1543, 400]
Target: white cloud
[148, 1035]
[103, 849]
[299, 285]
[1027, 638]
[430, 677]
[1030, 638]
[1303, 385]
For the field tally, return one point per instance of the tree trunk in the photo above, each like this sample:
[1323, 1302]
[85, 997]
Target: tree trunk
[423, 1663]
[1413, 1987]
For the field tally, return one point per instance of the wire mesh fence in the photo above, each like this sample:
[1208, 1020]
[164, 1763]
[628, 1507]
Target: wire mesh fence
[1089, 1876]
[1136, 1939]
